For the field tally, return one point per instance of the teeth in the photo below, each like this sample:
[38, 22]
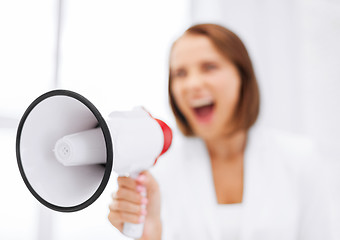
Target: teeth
[201, 102]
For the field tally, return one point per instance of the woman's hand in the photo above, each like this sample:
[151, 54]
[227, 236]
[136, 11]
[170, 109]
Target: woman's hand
[137, 201]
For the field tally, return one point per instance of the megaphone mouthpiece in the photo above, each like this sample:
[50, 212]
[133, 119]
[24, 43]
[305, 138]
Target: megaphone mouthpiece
[63, 151]
[82, 148]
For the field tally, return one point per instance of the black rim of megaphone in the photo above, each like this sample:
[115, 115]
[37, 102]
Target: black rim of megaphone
[109, 149]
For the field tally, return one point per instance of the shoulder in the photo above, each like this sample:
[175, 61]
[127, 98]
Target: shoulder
[294, 155]
[283, 146]
[288, 158]
[283, 140]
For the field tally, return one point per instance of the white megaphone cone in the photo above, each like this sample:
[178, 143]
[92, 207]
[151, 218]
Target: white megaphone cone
[65, 150]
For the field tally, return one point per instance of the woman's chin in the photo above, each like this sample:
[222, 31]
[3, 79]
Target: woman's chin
[205, 132]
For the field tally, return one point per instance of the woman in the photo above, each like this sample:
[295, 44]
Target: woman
[225, 179]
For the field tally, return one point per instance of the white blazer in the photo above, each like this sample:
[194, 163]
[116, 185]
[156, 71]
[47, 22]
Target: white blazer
[284, 194]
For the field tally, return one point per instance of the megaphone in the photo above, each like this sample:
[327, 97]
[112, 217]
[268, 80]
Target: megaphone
[66, 150]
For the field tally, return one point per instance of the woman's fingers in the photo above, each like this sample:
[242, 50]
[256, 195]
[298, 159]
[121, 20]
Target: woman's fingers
[123, 211]
[128, 207]
[118, 218]
[128, 195]
[127, 182]
[136, 201]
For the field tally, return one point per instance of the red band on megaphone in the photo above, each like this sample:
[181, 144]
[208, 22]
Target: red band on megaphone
[167, 133]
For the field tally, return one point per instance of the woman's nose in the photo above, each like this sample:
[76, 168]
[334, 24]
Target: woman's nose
[194, 82]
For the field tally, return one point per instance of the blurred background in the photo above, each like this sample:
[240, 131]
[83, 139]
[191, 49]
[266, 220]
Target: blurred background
[115, 53]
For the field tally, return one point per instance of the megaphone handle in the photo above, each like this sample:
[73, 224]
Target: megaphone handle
[131, 229]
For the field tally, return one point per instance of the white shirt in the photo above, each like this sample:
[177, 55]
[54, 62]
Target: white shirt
[229, 220]
[283, 196]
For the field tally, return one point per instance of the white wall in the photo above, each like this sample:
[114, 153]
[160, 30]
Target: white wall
[27, 52]
[27, 39]
[115, 52]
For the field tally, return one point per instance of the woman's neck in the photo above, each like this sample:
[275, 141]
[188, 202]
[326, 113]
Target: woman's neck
[227, 148]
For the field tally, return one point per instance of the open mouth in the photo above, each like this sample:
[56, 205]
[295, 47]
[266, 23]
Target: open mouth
[203, 109]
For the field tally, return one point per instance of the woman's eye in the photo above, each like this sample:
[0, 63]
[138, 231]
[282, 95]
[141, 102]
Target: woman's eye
[179, 74]
[209, 66]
